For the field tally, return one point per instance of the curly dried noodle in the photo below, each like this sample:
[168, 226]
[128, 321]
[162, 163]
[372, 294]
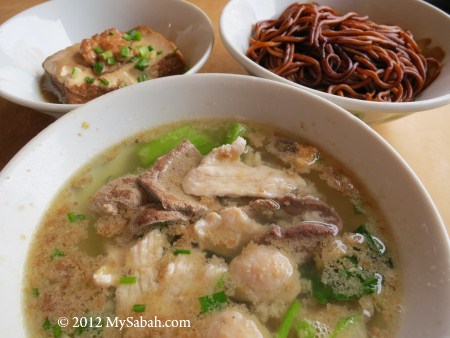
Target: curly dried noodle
[345, 55]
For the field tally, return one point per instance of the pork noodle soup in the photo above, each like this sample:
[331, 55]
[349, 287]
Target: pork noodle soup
[213, 228]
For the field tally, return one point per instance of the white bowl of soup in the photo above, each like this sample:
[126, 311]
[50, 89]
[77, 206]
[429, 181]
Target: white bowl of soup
[44, 33]
[346, 58]
[244, 208]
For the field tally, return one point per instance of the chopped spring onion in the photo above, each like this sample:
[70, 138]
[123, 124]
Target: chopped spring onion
[139, 308]
[35, 292]
[111, 61]
[342, 324]
[46, 325]
[98, 67]
[57, 253]
[152, 55]
[103, 81]
[143, 50]
[181, 252]
[75, 71]
[124, 52]
[142, 64]
[150, 48]
[305, 329]
[128, 280]
[98, 50]
[142, 77]
[134, 58]
[221, 281]
[288, 320]
[73, 217]
[133, 35]
[89, 79]
[110, 33]
[236, 129]
[57, 331]
[159, 52]
[213, 302]
[106, 55]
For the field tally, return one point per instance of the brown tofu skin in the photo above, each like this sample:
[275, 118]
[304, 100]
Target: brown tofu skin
[69, 68]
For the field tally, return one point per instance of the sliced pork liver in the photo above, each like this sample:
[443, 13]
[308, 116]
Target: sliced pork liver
[163, 180]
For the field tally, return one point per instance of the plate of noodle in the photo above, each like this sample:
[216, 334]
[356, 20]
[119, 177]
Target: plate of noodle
[376, 58]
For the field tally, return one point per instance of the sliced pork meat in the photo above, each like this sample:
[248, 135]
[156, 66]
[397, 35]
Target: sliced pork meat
[121, 193]
[163, 181]
[153, 214]
[264, 274]
[221, 173]
[299, 156]
[226, 232]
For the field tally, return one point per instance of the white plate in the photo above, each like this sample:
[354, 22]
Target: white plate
[28, 38]
[425, 21]
[33, 177]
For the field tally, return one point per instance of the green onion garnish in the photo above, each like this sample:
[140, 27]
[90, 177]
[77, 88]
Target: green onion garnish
[288, 319]
[111, 61]
[89, 79]
[98, 67]
[35, 292]
[212, 302]
[127, 280]
[182, 252]
[159, 52]
[46, 325]
[73, 218]
[124, 52]
[142, 77]
[150, 48]
[98, 50]
[110, 33]
[57, 331]
[142, 64]
[342, 324]
[139, 308]
[75, 71]
[143, 50]
[152, 55]
[106, 55]
[305, 329]
[56, 253]
[133, 35]
[134, 58]
[103, 81]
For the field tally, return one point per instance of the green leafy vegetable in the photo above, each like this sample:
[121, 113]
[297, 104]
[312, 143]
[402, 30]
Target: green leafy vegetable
[213, 302]
[57, 331]
[288, 319]
[56, 253]
[342, 324]
[236, 129]
[305, 329]
[46, 325]
[375, 245]
[182, 252]
[127, 280]
[343, 272]
[149, 152]
[74, 218]
[139, 307]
